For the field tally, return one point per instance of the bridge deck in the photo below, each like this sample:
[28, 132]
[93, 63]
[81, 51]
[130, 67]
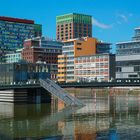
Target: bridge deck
[74, 85]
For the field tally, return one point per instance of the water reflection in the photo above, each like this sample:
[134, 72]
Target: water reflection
[107, 116]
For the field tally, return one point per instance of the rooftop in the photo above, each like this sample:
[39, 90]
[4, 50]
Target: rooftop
[74, 17]
[73, 14]
[128, 42]
[18, 20]
[138, 28]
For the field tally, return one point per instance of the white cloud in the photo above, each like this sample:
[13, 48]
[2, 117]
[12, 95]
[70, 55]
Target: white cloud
[123, 17]
[100, 25]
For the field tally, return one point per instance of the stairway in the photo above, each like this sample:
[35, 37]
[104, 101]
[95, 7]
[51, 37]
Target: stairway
[57, 91]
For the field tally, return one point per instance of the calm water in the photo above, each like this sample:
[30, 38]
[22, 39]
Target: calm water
[108, 115]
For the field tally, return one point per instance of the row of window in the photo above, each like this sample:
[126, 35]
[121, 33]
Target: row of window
[103, 72]
[64, 25]
[133, 68]
[97, 65]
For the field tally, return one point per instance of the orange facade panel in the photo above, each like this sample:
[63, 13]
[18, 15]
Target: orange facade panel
[86, 47]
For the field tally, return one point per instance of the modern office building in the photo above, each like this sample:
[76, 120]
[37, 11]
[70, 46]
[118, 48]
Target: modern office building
[13, 32]
[73, 25]
[74, 48]
[22, 72]
[13, 56]
[99, 67]
[128, 58]
[41, 49]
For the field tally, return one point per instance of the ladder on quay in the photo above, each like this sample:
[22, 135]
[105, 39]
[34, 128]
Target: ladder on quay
[57, 91]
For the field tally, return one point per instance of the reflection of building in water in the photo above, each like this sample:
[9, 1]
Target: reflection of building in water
[124, 100]
[88, 123]
[24, 121]
[106, 112]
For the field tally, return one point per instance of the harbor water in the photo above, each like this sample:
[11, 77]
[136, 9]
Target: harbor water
[108, 114]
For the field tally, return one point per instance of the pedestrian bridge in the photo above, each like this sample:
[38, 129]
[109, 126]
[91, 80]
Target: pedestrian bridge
[57, 91]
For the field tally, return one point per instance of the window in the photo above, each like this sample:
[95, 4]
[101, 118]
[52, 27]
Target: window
[133, 76]
[79, 48]
[79, 43]
[118, 69]
[136, 68]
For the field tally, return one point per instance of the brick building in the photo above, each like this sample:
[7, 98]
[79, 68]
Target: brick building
[41, 49]
[73, 25]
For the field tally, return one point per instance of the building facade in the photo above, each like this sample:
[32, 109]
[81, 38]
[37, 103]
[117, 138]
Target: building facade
[128, 58]
[99, 67]
[73, 25]
[41, 49]
[13, 56]
[23, 73]
[13, 32]
[62, 65]
[72, 49]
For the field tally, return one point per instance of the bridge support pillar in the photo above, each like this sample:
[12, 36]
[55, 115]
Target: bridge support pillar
[31, 95]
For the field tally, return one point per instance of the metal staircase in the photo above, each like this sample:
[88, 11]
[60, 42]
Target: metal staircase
[57, 91]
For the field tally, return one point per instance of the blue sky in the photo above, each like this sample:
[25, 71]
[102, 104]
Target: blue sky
[113, 20]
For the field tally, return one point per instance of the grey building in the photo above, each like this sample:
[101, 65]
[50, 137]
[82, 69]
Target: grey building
[128, 58]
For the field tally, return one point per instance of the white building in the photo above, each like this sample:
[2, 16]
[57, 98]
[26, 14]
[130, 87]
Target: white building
[128, 58]
[14, 56]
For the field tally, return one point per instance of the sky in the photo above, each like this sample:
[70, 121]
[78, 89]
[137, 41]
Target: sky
[113, 20]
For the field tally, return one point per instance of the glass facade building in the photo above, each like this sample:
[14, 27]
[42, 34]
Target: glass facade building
[14, 31]
[103, 47]
[23, 73]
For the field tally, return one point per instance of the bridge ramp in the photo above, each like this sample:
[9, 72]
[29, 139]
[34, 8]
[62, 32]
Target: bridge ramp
[57, 91]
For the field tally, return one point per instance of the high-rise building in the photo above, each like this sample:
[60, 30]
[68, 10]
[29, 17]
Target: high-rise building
[73, 25]
[13, 32]
[75, 48]
[128, 58]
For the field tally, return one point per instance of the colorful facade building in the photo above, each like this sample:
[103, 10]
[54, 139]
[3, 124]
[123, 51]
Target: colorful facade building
[128, 58]
[99, 67]
[62, 61]
[71, 49]
[42, 49]
[73, 25]
[13, 32]
[74, 49]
